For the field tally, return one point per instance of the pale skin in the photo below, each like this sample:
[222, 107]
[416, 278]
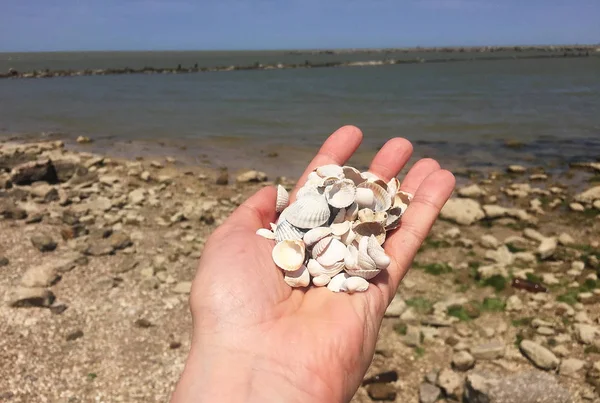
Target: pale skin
[255, 339]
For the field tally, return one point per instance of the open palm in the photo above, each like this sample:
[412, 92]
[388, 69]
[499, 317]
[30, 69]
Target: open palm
[268, 342]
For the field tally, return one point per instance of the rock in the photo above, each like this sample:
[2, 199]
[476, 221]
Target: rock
[251, 176]
[428, 393]
[501, 256]
[40, 276]
[593, 375]
[137, 196]
[77, 334]
[489, 351]
[43, 242]
[4, 261]
[589, 196]
[524, 257]
[34, 171]
[516, 169]
[11, 211]
[413, 336]
[533, 234]
[452, 233]
[5, 182]
[71, 168]
[31, 297]
[100, 205]
[547, 247]
[409, 316]
[45, 192]
[120, 240]
[381, 391]
[538, 355]
[489, 241]
[571, 366]
[550, 279]
[462, 211]
[396, 307]
[471, 191]
[494, 211]
[73, 232]
[223, 178]
[565, 239]
[586, 334]
[84, 140]
[183, 287]
[450, 382]
[99, 249]
[576, 207]
[462, 361]
[488, 271]
[596, 204]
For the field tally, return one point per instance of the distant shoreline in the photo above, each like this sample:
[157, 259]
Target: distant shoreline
[553, 52]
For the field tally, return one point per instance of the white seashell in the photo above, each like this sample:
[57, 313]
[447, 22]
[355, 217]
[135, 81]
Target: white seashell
[341, 194]
[370, 228]
[376, 252]
[308, 190]
[330, 170]
[352, 212]
[273, 226]
[321, 280]
[393, 219]
[402, 200]
[366, 274]
[355, 284]
[335, 252]
[381, 199]
[340, 229]
[351, 258]
[364, 197]
[286, 231]
[365, 262]
[337, 282]
[334, 269]
[265, 233]
[289, 255]
[330, 180]
[313, 178]
[368, 215]
[354, 175]
[348, 237]
[370, 177]
[283, 199]
[316, 269]
[392, 186]
[340, 216]
[315, 235]
[320, 246]
[297, 278]
[308, 212]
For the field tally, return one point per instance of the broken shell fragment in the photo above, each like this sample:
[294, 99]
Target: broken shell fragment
[337, 282]
[265, 233]
[297, 278]
[289, 255]
[315, 235]
[368, 215]
[370, 228]
[381, 199]
[330, 170]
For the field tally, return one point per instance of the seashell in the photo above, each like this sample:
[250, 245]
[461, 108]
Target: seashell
[354, 175]
[335, 252]
[320, 246]
[365, 262]
[265, 233]
[352, 212]
[330, 180]
[315, 235]
[313, 178]
[297, 278]
[381, 199]
[355, 284]
[330, 170]
[366, 274]
[308, 212]
[392, 186]
[402, 200]
[393, 219]
[283, 199]
[348, 237]
[273, 226]
[381, 183]
[364, 197]
[321, 280]
[308, 190]
[289, 255]
[341, 194]
[370, 177]
[337, 282]
[376, 252]
[287, 232]
[340, 217]
[316, 269]
[370, 228]
[368, 215]
[340, 229]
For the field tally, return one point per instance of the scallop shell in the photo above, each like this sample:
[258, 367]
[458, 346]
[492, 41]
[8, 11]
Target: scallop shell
[330, 180]
[289, 255]
[265, 233]
[287, 232]
[340, 229]
[368, 215]
[283, 199]
[315, 235]
[370, 228]
[381, 199]
[330, 170]
[341, 194]
[334, 253]
[313, 178]
[308, 212]
[354, 175]
[297, 278]
[351, 257]
[308, 189]
[376, 252]
[316, 269]
[321, 280]
[320, 247]
[355, 284]
[337, 282]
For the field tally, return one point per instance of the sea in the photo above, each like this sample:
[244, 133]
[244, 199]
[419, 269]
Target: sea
[476, 112]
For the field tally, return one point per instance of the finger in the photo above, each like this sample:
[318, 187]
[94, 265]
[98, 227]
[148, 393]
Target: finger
[417, 174]
[337, 149]
[392, 157]
[257, 211]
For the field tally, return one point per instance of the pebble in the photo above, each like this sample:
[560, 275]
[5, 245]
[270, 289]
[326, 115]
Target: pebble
[471, 191]
[516, 169]
[452, 233]
[381, 391]
[576, 206]
[413, 336]
[585, 333]
[428, 393]
[538, 355]
[77, 334]
[489, 241]
[4, 261]
[565, 239]
[489, 351]
[571, 366]
[40, 276]
[183, 287]
[43, 242]
[547, 247]
[533, 234]
[462, 211]
[252, 176]
[463, 361]
[450, 382]
[28, 296]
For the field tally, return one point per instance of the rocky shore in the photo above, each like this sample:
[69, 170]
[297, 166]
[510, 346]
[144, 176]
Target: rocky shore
[179, 69]
[97, 254]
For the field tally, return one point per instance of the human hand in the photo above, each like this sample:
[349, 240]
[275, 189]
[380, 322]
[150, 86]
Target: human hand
[255, 339]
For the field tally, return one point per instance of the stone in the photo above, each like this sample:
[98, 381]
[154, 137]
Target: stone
[576, 207]
[550, 279]
[530, 233]
[516, 169]
[489, 241]
[489, 351]
[46, 193]
[452, 233]
[40, 276]
[4, 261]
[77, 334]
[71, 169]
[428, 393]
[5, 182]
[570, 366]
[11, 211]
[413, 336]
[514, 304]
[488, 271]
[462, 211]
[545, 331]
[222, 178]
[381, 391]
[100, 205]
[252, 176]
[588, 196]
[83, 140]
[471, 191]
[31, 297]
[183, 287]
[502, 255]
[494, 211]
[540, 356]
[120, 240]
[34, 171]
[547, 247]
[593, 375]
[43, 242]
[137, 196]
[596, 204]
[409, 316]
[462, 361]
[586, 334]
[450, 382]
[396, 307]
[565, 239]
[99, 249]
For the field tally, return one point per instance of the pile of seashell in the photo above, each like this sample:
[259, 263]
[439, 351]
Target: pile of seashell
[333, 234]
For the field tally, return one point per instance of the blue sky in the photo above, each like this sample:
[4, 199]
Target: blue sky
[48, 25]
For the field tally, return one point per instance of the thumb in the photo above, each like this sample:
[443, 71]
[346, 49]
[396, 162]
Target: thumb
[257, 211]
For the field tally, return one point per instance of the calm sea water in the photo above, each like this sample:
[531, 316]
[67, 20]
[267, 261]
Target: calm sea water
[462, 113]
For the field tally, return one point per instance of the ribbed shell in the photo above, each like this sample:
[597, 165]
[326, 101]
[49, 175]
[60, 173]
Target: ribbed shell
[341, 194]
[376, 252]
[330, 170]
[370, 228]
[283, 199]
[308, 212]
[286, 231]
[321, 246]
[335, 252]
[315, 235]
[354, 175]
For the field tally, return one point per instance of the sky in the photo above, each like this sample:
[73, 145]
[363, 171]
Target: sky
[54, 25]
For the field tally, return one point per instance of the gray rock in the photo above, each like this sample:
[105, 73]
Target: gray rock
[413, 336]
[40, 276]
[120, 240]
[586, 334]
[44, 192]
[11, 211]
[570, 366]
[252, 176]
[462, 361]
[538, 355]
[547, 247]
[34, 171]
[489, 241]
[4, 261]
[588, 196]
[471, 191]
[428, 393]
[450, 382]
[489, 351]
[31, 297]
[43, 242]
[462, 211]
[396, 307]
